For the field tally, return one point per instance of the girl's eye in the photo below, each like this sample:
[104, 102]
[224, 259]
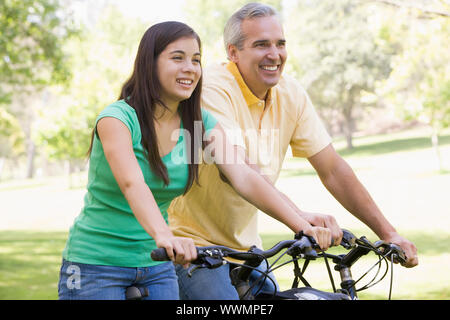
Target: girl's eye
[177, 58]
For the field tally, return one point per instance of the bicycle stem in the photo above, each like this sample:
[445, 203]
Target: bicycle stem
[347, 282]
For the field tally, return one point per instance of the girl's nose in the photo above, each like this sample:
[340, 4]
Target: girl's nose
[188, 67]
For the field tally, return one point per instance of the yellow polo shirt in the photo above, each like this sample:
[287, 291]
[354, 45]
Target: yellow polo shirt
[213, 213]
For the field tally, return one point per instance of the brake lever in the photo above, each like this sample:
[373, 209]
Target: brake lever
[397, 253]
[208, 262]
[348, 239]
[387, 248]
[305, 245]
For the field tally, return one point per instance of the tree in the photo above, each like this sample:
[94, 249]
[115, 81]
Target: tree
[31, 55]
[335, 49]
[420, 82]
[30, 46]
[11, 139]
[102, 60]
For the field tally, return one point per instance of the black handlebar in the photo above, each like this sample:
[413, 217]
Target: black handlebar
[160, 254]
[303, 245]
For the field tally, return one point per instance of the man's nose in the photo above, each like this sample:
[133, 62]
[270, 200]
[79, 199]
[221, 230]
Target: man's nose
[273, 52]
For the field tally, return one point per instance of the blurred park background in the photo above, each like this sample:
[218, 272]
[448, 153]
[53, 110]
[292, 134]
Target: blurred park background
[378, 72]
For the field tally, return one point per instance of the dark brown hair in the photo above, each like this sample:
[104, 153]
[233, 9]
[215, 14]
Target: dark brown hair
[142, 92]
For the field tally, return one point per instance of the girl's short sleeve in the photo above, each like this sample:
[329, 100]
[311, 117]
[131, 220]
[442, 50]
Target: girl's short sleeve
[126, 114]
[208, 120]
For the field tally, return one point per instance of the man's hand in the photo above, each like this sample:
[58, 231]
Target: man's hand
[408, 247]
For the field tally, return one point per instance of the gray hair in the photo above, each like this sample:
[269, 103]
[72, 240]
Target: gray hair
[233, 33]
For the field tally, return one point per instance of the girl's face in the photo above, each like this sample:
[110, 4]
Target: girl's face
[179, 70]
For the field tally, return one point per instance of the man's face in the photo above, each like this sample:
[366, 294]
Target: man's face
[262, 58]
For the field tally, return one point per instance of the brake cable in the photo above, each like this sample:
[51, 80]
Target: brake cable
[392, 274]
[329, 270]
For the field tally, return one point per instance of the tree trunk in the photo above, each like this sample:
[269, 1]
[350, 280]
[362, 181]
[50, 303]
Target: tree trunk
[435, 143]
[348, 127]
[31, 152]
[2, 163]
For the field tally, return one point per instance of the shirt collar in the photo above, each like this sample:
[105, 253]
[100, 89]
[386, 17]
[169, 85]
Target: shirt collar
[249, 97]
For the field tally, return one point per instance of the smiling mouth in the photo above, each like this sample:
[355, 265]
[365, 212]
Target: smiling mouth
[185, 82]
[270, 67]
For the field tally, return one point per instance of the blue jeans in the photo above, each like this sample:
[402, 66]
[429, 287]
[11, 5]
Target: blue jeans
[215, 284]
[93, 282]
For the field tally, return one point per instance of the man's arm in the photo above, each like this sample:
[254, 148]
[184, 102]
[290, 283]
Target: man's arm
[315, 219]
[342, 183]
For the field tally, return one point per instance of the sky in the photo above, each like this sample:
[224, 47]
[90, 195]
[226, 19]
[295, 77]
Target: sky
[150, 10]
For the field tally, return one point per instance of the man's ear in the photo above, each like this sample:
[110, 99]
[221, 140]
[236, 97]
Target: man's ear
[232, 53]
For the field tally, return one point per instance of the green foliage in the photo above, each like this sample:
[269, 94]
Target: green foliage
[420, 82]
[101, 60]
[31, 57]
[335, 49]
[69, 139]
[31, 42]
[11, 135]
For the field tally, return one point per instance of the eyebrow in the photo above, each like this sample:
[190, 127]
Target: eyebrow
[182, 52]
[283, 41]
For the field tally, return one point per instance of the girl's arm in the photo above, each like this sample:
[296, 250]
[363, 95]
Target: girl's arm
[255, 189]
[117, 146]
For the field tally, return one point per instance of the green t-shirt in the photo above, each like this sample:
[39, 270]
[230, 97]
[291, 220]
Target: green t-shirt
[106, 232]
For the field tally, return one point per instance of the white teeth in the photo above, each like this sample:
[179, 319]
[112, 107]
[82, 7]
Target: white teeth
[185, 81]
[270, 68]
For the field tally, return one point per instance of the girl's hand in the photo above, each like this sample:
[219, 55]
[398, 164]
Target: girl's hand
[327, 221]
[180, 250]
[321, 235]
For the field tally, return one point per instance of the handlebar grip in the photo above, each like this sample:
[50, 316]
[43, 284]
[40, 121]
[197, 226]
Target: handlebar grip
[159, 254]
[399, 253]
[304, 245]
[348, 239]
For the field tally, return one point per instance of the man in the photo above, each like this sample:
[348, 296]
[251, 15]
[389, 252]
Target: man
[263, 113]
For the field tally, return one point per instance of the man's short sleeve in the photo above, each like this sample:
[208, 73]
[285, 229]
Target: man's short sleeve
[310, 135]
[219, 104]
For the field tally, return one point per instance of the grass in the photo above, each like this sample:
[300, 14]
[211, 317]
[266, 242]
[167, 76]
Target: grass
[386, 145]
[390, 146]
[29, 264]
[398, 170]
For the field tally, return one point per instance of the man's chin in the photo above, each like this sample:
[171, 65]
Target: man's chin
[269, 83]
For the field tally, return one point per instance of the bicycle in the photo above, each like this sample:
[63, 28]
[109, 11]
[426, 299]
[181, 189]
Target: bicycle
[302, 247]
